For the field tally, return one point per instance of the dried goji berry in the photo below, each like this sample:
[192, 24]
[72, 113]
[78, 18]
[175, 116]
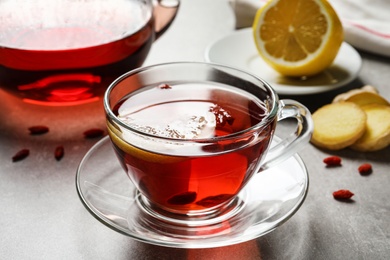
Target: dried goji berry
[21, 155]
[164, 86]
[365, 169]
[342, 194]
[93, 133]
[332, 161]
[38, 129]
[214, 200]
[183, 198]
[59, 152]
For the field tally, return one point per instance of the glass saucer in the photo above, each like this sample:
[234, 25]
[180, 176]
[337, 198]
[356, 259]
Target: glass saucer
[269, 200]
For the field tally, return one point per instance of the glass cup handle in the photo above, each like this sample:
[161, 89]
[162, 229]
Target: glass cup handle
[164, 13]
[297, 140]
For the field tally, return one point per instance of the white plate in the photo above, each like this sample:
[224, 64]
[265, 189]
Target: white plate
[238, 50]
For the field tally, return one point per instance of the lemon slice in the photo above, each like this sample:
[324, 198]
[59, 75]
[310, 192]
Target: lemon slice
[116, 137]
[298, 37]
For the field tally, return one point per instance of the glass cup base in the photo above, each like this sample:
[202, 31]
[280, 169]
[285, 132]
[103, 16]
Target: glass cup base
[211, 223]
[198, 219]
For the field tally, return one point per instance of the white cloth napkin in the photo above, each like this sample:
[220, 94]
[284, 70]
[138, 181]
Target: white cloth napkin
[366, 22]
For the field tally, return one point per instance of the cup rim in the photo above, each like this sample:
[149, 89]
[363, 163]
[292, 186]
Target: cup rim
[264, 122]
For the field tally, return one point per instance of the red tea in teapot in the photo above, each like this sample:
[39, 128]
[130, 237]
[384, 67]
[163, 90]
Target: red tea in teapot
[68, 52]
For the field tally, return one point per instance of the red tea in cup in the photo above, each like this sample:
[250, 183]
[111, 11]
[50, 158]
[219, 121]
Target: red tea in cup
[196, 175]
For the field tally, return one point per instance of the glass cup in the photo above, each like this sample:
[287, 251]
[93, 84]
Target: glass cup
[67, 52]
[191, 135]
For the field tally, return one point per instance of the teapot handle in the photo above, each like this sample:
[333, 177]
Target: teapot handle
[164, 13]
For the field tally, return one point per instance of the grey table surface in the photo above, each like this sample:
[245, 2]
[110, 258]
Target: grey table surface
[42, 217]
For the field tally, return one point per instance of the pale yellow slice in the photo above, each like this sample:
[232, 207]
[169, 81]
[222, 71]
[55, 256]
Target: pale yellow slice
[344, 96]
[362, 96]
[366, 98]
[338, 125]
[377, 134]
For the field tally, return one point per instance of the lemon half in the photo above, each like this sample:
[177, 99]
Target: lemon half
[298, 37]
